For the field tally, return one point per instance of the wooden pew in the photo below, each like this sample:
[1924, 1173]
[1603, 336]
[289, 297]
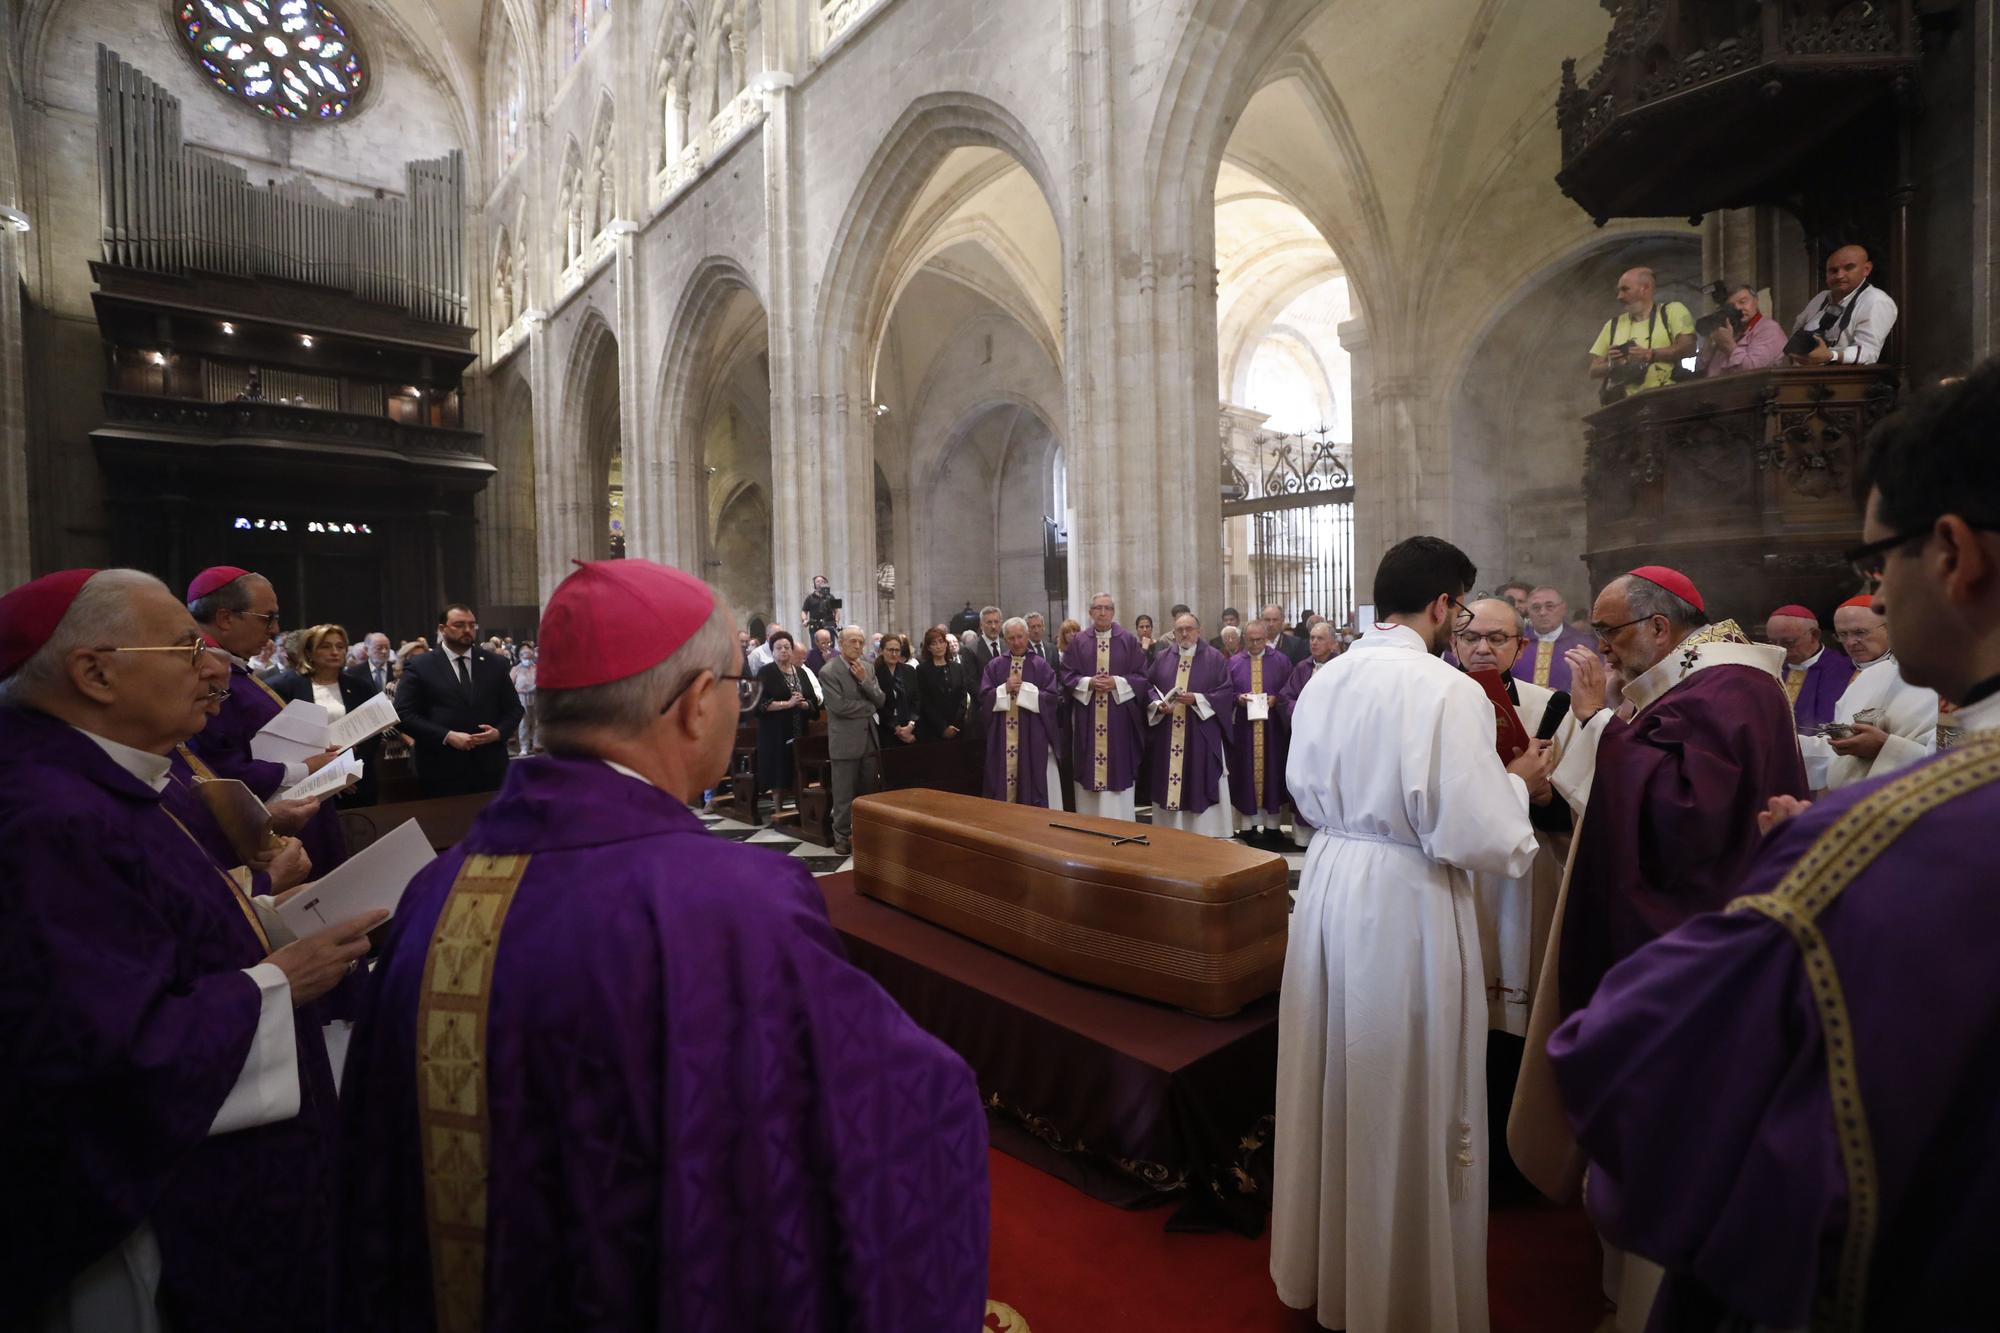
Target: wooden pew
[444, 819]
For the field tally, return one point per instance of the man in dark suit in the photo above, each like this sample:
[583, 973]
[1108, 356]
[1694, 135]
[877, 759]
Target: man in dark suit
[460, 707]
[1278, 636]
[989, 644]
[1038, 644]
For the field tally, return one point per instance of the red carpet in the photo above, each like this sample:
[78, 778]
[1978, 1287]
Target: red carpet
[1069, 1264]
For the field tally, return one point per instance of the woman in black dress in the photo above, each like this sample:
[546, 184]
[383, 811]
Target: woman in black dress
[787, 698]
[941, 694]
[896, 719]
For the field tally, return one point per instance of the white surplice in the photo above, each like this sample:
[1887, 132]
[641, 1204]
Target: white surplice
[1909, 713]
[1379, 1199]
[1515, 913]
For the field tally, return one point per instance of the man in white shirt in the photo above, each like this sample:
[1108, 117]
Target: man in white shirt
[1379, 1201]
[1890, 723]
[1851, 319]
[168, 1101]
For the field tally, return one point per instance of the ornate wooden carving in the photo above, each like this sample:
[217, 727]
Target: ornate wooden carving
[1748, 483]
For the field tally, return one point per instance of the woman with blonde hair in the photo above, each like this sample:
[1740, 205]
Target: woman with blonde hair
[325, 678]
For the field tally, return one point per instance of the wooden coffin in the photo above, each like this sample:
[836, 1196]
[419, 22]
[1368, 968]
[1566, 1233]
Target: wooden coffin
[1189, 921]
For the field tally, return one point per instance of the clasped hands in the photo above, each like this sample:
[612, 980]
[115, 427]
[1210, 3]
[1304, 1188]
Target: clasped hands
[462, 740]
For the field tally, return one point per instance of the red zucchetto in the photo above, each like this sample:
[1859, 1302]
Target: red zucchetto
[215, 576]
[615, 618]
[30, 613]
[1796, 612]
[1675, 582]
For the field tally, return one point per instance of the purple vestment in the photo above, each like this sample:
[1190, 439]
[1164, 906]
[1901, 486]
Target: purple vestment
[1206, 739]
[1288, 704]
[1122, 734]
[125, 1019]
[1558, 665]
[1741, 1191]
[1243, 768]
[1039, 734]
[1826, 680]
[1671, 822]
[224, 745]
[701, 1116]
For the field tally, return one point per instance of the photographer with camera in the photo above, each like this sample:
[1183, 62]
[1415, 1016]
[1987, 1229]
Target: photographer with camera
[1639, 349]
[822, 609]
[1849, 321]
[1739, 337]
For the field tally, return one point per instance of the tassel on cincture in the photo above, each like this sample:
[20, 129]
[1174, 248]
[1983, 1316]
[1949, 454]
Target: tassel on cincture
[1462, 1163]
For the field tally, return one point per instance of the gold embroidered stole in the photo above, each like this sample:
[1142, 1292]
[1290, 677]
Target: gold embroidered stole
[1545, 656]
[453, 1113]
[1100, 727]
[1257, 734]
[1795, 680]
[236, 891]
[276, 697]
[1177, 743]
[1014, 735]
[1841, 853]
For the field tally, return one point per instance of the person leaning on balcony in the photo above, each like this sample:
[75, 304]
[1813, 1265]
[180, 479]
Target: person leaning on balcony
[1649, 334]
[1849, 321]
[1761, 342]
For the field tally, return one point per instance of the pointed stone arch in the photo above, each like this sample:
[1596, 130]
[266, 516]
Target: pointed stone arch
[591, 434]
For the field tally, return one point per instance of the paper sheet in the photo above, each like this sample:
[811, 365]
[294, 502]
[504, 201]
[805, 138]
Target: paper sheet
[334, 777]
[242, 817]
[294, 735]
[1258, 709]
[378, 714]
[376, 877]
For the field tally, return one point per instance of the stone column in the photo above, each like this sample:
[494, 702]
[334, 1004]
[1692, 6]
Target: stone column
[15, 553]
[564, 512]
[1985, 257]
[796, 408]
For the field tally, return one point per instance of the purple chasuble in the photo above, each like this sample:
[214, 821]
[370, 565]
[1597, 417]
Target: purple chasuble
[1205, 740]
[1746, 1194]
[701, 1117]
[1120, 733]
[125, 1020]
[1826, 680]
[1243, 767]
[1039, 734]
[1526, 664]
[224, 745]
[1671, 823]
[1288, 704]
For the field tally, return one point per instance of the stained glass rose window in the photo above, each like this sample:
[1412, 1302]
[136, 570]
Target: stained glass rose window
[292, 60]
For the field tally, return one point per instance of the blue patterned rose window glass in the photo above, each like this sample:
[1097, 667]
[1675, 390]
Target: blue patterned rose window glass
[296, 61]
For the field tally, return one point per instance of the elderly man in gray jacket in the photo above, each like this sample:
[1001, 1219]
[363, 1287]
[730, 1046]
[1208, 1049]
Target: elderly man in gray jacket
[852, 697]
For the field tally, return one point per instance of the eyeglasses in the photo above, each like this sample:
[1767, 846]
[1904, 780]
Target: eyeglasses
[1464, 614]
[191, 651]
[270, 618]
[720, 677]
[1869, 559]
[1496, 640]
[1606, 631]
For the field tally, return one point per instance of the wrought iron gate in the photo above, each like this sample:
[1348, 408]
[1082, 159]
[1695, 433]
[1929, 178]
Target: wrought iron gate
[1298, 494]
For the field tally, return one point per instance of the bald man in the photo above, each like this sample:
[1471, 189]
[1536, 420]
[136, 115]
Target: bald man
[1639, 348]
[1849, 321]
[1815, 675]
[1882, 722]
[1548, 638]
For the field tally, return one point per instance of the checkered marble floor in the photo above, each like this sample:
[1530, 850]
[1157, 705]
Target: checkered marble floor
[822, 861]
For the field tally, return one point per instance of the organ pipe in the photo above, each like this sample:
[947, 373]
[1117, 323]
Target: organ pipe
[170, 207]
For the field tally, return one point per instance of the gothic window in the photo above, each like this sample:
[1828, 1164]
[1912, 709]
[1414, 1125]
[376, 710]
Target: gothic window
[579, 29]
[511, 130]
[503, 282]
[292, 60]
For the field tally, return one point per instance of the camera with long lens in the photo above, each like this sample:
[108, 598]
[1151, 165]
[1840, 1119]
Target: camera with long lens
[1715, 319]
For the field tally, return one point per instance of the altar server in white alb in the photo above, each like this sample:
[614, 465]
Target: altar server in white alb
[1891, 723]
[1379, 1206]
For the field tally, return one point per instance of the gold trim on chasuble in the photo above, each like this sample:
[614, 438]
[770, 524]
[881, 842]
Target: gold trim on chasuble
[1177, 753]
[1100, 723]
[452, 1108]
[1545, 656]
[1795, 681]
[1014, 734]
[1257, 736]
[276, 697]
[236, 890]
[1837, 857]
